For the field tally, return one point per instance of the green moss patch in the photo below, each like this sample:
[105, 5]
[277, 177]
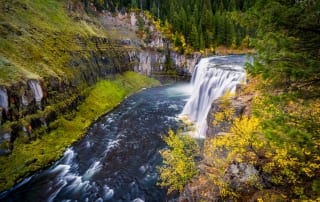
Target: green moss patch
[37, 38]
[102, 97]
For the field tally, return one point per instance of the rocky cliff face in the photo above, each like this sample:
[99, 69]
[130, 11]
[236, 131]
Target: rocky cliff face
[28, 105]
[241, 106]
[156, 64]
[153, 53]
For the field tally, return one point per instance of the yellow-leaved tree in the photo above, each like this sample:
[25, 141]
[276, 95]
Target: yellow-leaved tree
[242, 144]
[178, 161]
[281, 141]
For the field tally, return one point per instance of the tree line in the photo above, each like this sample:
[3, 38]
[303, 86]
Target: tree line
[280, 138]
[200, 23]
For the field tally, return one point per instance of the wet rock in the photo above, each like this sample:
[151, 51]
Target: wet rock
[4, 104]
[36, 90]
[5, 142]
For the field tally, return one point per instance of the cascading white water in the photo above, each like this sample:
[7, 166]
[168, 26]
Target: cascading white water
[144, 63]
[36, 90]
[212, 78]
[4, 99]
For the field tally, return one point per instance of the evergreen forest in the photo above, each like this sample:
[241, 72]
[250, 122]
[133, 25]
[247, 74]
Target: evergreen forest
[281, 135]
[67, 54]
[201, 24]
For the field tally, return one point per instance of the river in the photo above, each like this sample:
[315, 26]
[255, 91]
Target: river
[117, 160]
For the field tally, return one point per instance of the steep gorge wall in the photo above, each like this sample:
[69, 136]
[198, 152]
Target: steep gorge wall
[153, 53]
[29, 105]
[155, 63]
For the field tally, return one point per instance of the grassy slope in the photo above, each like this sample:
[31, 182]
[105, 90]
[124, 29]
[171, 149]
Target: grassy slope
[35, 36]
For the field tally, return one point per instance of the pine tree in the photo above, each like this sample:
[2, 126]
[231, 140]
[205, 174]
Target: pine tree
[288, 44]
[232, 5]
[134, 3]
[220, 28]
[209, 16]
[194, 37]
[201, 42]
[288, 41]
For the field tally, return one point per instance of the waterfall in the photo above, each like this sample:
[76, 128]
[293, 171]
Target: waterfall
[212, 78]
[24, 100]
[36, 90]
[144, 63]
[4, 99]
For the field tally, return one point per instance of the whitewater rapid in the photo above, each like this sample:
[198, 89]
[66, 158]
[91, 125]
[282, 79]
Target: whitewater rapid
[211, 79]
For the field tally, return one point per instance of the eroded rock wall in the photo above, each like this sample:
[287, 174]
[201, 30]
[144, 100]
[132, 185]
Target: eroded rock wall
[31, 104]
[28, 106]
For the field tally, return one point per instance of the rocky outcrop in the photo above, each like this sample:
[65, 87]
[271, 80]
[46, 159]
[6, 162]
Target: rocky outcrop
[154, 63]
[31, 104]
[239, 176]
[241, 106]
[152, 54]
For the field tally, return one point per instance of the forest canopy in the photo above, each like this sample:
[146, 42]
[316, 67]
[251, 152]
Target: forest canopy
[202, 24]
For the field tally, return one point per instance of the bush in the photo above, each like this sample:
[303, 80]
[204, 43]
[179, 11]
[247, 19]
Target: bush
[178, 161]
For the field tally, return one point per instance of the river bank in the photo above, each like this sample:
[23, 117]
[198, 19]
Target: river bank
[67, 129]
[118, 157]
[59, 66]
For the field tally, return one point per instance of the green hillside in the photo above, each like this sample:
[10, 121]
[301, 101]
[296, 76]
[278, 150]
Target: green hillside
[38, 36]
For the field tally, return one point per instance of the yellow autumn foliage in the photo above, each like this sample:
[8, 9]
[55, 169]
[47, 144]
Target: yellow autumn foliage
[281, 139]
[227, 111]
[240, 145]
[178, 161]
